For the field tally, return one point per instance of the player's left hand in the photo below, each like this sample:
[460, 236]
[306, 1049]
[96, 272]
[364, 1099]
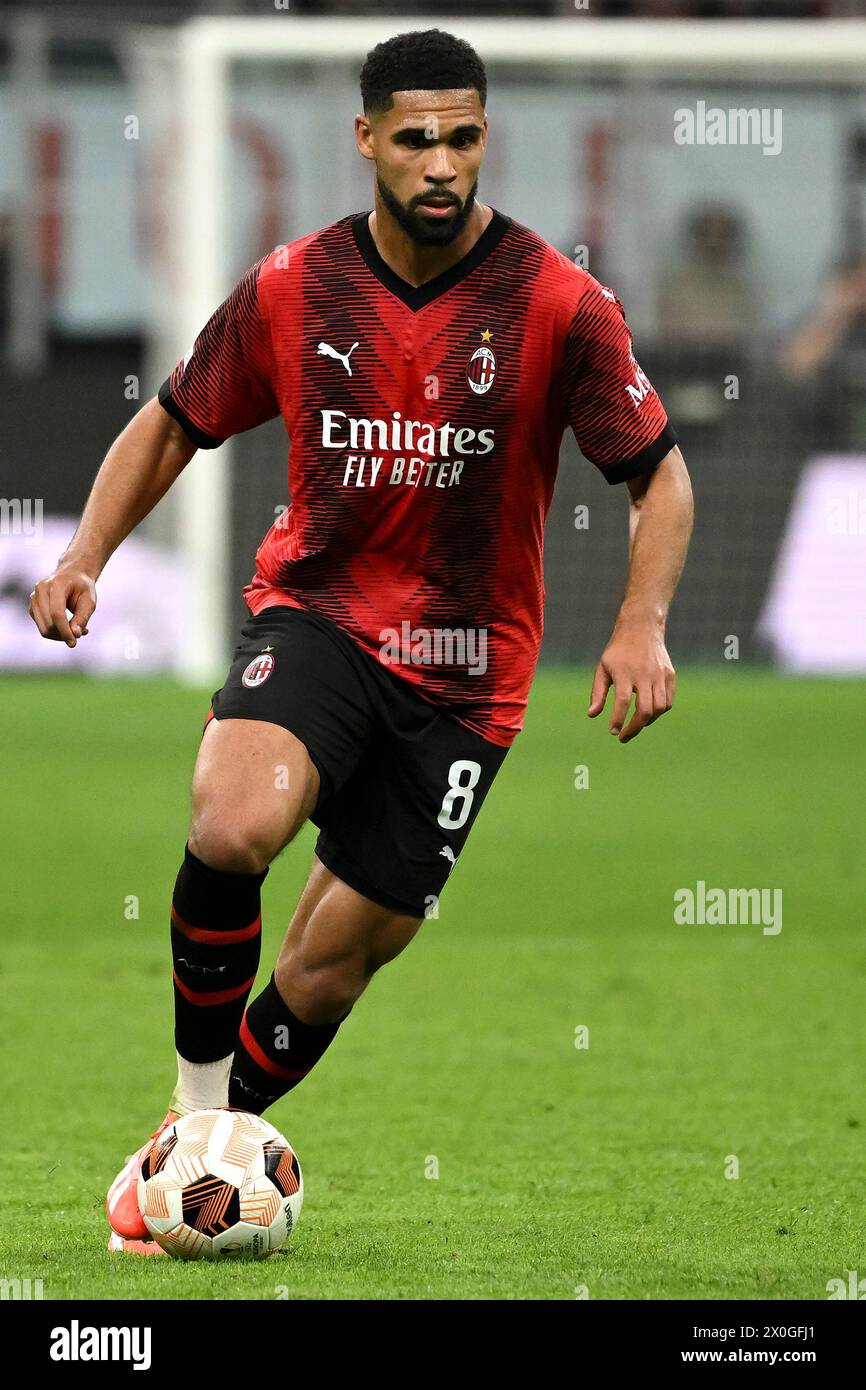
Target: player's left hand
[635, 662]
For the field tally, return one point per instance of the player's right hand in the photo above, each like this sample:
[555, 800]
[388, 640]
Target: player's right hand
[68, 590]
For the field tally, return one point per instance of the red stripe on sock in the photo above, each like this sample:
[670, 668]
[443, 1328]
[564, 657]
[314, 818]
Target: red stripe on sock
[263, 1061]
[217, 996]
[215, 938]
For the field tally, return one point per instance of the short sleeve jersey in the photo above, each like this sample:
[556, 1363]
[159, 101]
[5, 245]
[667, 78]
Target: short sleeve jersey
[424, 433]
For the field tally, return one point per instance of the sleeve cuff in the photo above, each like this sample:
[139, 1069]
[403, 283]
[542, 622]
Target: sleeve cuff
[643, 461]
[198, 437]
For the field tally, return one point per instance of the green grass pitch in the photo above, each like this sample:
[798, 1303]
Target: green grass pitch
[558, 1168]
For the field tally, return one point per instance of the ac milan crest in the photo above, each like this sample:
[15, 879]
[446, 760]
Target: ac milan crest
[258, 671]
[481, 370]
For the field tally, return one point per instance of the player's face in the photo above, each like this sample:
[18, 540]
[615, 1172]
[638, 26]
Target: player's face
[428, 150]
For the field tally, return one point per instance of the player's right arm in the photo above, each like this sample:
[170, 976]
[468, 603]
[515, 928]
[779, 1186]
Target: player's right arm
[138, 470]
[223, 385]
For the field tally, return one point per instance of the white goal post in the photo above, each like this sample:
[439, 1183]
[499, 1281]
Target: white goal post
[203, 51]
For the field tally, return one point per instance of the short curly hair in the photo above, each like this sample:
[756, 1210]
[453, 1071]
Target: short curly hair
[421, 60]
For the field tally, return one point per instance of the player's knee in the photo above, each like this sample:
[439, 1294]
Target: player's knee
[232, 848]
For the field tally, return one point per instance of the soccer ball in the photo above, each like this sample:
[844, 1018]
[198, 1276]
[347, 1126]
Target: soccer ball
[220, 1183]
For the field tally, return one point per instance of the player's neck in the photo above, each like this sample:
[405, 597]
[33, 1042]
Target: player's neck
[417, 264]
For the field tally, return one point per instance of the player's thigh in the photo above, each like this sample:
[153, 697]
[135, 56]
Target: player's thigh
[253, 787]
[290, 723]
[396, 830]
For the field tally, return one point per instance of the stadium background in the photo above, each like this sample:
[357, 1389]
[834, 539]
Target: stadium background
[723, 260]
[718, 260]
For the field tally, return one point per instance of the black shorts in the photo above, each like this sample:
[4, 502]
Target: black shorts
[401, 781]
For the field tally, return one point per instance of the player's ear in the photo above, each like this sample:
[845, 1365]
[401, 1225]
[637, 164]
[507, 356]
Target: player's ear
[364, 137]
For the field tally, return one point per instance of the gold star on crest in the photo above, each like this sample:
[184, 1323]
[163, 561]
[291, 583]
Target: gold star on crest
[486, 336]
[267, 649]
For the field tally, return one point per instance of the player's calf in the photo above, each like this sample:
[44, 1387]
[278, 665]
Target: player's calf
[254, 786]
[336, 941]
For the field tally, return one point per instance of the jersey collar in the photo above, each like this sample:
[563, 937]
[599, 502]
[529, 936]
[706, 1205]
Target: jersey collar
[417, 296]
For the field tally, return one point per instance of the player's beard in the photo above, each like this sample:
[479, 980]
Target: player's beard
[424, 230]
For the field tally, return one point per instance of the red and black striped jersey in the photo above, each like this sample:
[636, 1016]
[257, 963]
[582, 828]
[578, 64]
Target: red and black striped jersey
[424, 427]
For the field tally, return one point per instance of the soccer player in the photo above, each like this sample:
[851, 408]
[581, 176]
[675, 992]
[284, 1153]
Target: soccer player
[426, 358]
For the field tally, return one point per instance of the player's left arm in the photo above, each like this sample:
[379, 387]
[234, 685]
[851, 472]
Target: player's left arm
[621, 426]
[635, 660]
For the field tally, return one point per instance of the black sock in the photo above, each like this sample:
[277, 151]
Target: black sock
[216, 935]
[275, 1051]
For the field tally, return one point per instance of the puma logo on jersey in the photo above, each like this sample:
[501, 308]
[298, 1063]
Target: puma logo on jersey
[448, 853]
[325, 350]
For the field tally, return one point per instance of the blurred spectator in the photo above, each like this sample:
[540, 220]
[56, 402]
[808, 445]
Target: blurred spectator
[708, 300]
[708, 314]
[824, 358]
